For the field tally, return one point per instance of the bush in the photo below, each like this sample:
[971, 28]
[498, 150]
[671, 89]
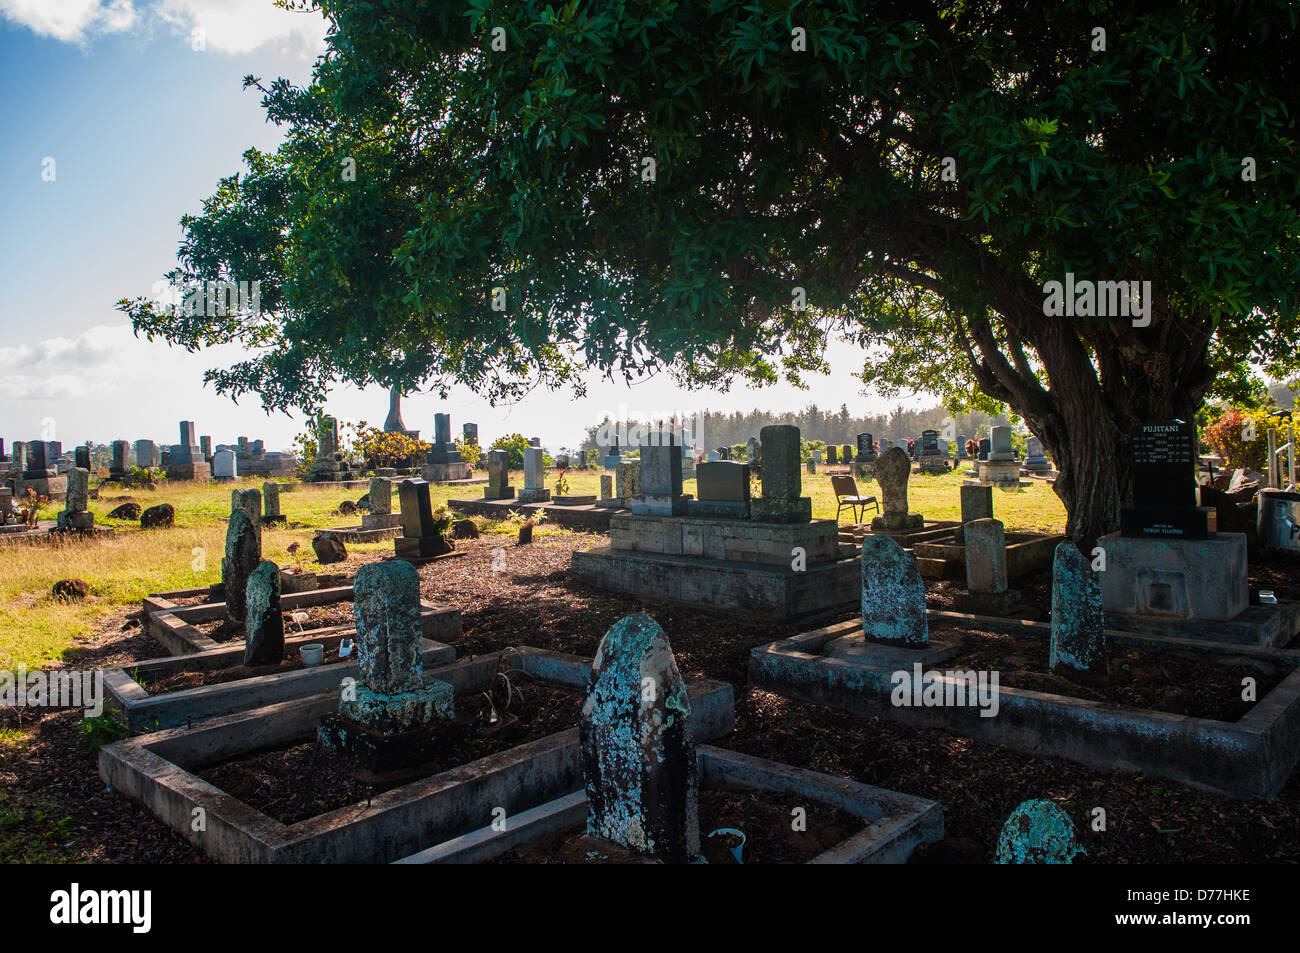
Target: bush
[390, 448]
[1240, 436]
[514, 444]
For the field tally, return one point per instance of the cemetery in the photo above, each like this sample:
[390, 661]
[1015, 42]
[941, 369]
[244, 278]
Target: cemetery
[745, 494]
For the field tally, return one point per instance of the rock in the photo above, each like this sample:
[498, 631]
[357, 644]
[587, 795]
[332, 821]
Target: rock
[127, 511]
[1038, 832]
[363, 503]
[70, 590]
[329, 549]
[464, 529]
[164, 514]
[346, 508]
[893, 470]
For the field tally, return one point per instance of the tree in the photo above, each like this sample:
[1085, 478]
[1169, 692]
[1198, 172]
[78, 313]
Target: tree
[713, 188]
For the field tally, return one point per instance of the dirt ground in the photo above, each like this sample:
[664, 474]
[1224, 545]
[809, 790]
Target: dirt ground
[56, 800]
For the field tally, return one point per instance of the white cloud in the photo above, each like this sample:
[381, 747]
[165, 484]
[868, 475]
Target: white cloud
[225, 26]
[72, 21]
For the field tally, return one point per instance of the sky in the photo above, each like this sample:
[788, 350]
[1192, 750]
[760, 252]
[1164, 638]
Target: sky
[119, 117]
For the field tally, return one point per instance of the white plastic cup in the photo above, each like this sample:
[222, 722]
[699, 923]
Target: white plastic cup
[312, 654]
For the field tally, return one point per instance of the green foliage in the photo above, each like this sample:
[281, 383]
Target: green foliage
[1240, 436]
[99, 730]
[469, 451]
[515, 444]
[389, 449]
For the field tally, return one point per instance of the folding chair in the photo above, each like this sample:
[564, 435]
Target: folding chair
[846, 494]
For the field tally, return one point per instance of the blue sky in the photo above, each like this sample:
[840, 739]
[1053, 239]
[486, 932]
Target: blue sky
[140, 125]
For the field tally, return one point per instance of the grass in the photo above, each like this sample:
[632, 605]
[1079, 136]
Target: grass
[35, 629]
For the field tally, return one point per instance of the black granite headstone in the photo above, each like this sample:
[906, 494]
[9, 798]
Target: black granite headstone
[1165, 494]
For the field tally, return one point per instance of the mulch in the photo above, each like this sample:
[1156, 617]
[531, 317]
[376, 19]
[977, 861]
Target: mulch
[529, 598]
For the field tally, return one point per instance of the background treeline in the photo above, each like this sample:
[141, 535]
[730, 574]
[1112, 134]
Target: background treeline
[719, 429]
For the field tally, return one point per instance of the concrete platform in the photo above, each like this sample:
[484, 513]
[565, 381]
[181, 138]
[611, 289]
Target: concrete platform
[1026, 553]
[754, 589]
[1271, 626]
[1252, 757]
[893, 824]
[355, 534]
[158, 770]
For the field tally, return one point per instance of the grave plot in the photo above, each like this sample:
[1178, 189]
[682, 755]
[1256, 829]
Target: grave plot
[379, 524]
[179, 691]
[763, 556]
[1172, 706]
[321, 779]
[649, 795]
[1168, 570]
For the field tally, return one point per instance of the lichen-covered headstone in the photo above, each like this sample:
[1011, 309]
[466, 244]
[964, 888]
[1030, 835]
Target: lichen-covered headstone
[893, 470]
[394, 696]
[893, 594]
[1078, 647]
[264, 628]
[782, 480]
[1038, 832]
[250, 501]
[380, 496]
[637, 749]
[986, 556]
[270, 501]
[243, 553]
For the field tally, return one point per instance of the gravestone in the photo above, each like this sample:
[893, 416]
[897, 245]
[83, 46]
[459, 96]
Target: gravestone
[846, 454]
[713, 457]
[121, 464]
[893, 470]
[223, 465]
[932, 457]
[986, 447]
[866, 448]
[498, 476]
[186, 460]
[205, 444]
[627, 482]
[271, 503]
[1038, 832]
[469, 433]
[443, 462]
[986, 557]
[613, 457]
[606, 489]
[421, 537]
[832, 454]
[782, 482]
[381, 515]
[893, 594]
[74, 515]
[886, 444]
[264, 628]
[41, 455]
[754, 451]
[1035, 460]
[385, 725]
[661, 482]
[1000, 448]
[146, 454]
[722, 489]
[250, 501]
[636, 746]
[1165, 500]
[242, 556]
[19, 461]
[961, 447]
[82, 457]
[534, 489]
[1002, 466]
[1078, 646]
[976, 504]
[6, 504]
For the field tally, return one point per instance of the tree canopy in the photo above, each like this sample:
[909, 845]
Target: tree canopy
[503, 192]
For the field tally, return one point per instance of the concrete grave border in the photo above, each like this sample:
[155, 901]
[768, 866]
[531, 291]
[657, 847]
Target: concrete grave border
[1252, 757]
[157, 771]
[895, 824]
[143, 711]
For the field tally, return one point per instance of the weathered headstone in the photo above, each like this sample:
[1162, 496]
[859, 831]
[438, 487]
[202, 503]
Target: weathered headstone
[986, 556]
[422, 537]
[146, 453]
[782, 482]
[205, 444]
[224, 466]
[82, 457]
[832, 453]
[893, 594]
[627, 481]
[534, 489]
[243, 553]
[893, 470]
[1035, 460]
[498, 476]
[1038, 832]
[271, 503]
[661, 482]
[264, 628]
[637, 749]
[1078, 646]
[74, 515]
[250, 501]
[976, 504]
[754, 450]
